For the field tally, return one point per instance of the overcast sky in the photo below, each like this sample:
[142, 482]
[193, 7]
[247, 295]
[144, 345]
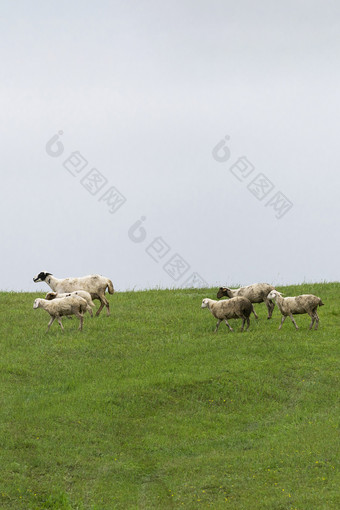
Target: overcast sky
[166, 144]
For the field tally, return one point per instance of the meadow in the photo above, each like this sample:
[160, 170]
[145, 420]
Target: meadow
[149, 409]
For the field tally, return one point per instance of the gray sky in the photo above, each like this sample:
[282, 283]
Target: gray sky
[143, 93]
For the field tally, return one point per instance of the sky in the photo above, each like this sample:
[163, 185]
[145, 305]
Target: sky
[170, 144]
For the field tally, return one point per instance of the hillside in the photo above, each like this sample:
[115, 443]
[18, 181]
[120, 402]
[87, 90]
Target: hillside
[150, 409]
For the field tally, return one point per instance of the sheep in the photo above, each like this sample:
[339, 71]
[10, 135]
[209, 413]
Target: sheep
[95, 284]
[256, 293]
[70, 305]
[306, 303]
[82, 293]
[234, 308]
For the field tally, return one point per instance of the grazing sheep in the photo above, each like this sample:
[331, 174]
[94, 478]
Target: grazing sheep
[306, 303]
[256, 293]
[234, 308]
[70, 305]
[82, 293]
[95, 284]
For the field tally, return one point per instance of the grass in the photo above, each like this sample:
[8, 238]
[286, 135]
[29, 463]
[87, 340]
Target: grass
[149, 409]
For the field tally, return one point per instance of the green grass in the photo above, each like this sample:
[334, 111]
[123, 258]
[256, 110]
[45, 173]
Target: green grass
[149, 409]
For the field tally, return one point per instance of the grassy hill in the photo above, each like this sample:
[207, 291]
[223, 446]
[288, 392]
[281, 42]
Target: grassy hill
[149, 409]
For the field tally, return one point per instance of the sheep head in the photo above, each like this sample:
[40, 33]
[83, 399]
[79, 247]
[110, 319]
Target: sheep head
[41, 277]
[205, 303]
[222, 291]
[273, 294]
[51, 295]
[36, 303]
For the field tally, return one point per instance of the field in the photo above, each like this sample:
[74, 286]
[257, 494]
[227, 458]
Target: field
[149, 409]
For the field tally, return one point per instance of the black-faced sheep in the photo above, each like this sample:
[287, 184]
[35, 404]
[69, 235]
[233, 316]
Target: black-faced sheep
[96, 285]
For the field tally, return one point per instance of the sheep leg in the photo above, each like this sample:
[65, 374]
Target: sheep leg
[227, 323]
[103, 302]
[89, 309]
[100, 308]
[107, 306]
[282, 320]
[217, 325]
[312, 316]
[293, 321]
[50, 323]
[315, 318]
[81, 320]
[60, 323]
[244, 319]
[270, 307]
[255, 314]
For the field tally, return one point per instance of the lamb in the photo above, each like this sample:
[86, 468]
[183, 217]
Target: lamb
[256, 293]
[70, 305]
[234, 308]
[82, 293]
[95, 284]
[306, 303]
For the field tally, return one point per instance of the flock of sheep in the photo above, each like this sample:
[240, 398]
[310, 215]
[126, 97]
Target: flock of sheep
[74, 296]
[240, 304]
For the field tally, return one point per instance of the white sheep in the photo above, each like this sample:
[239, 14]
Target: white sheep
[82, 293]
[256, 293]
[95, 284]
[57, 308]
[234, 308]
[306, 303]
